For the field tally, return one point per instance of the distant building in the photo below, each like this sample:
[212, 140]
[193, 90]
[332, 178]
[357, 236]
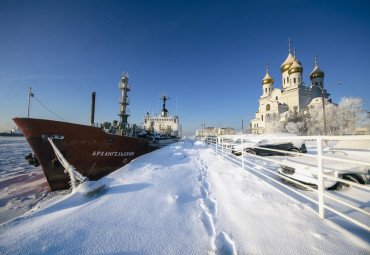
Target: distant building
[294, 92]
[212, 131]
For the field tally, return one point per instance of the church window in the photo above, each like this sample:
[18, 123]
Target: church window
[262, 117]
[268, 107]
[277, 98]
[265, 90]
[316, 83]
[294, 80]
[284, 80]
[269, 89]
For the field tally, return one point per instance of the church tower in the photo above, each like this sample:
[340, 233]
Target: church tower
[285, 67]
[317, 76]
[295, 73]
[267, 83]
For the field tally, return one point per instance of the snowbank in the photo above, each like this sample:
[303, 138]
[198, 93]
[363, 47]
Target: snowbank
[182, 199]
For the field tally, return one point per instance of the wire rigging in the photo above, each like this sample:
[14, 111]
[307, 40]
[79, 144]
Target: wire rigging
[33, 95]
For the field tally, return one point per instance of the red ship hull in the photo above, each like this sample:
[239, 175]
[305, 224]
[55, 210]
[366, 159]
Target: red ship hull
[93, 152]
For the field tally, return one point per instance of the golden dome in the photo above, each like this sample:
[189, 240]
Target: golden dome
[287, 63]
[317, 72]
[267, 79]
[295, 67]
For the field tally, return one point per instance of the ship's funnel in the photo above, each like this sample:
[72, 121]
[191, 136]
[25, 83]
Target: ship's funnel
[92, 109]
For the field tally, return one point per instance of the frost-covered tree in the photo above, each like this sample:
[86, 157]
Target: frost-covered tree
[340, 119]
[315, 121]
[333, 121]
[296, 122]
[274, 124]
[351, 114]
[295, 127]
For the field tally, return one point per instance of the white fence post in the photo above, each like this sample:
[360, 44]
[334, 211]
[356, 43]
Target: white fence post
[216, 144]
[222, 146]
[320, 179]
[242, 152]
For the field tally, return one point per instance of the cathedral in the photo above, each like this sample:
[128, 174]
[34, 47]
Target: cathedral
[293, 93]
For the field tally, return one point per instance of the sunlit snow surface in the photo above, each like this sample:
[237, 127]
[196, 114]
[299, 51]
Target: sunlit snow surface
[182, 199]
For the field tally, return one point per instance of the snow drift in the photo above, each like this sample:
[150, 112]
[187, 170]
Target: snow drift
[182, 199]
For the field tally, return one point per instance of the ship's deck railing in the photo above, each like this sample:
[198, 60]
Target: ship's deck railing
[336, 203]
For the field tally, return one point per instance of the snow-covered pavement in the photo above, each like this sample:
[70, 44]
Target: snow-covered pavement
[182, 199]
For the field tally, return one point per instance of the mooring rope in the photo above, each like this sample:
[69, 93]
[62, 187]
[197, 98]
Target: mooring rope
[73, 174]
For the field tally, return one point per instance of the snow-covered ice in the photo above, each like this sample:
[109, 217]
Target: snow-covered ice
[181, 199]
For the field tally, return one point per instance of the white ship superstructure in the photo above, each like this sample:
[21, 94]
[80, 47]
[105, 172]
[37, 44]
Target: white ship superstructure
[163, 124]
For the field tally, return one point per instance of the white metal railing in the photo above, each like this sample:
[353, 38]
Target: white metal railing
[244, 161]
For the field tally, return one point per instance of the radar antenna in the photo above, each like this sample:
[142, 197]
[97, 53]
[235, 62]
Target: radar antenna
[164, 98]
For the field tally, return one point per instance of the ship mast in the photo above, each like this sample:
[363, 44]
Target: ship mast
[124, 86]
[164, 98]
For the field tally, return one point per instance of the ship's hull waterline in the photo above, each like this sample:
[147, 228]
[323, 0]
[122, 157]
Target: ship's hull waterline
[93, 152]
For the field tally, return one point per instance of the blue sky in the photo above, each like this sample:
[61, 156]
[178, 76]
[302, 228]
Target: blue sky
[209, 56]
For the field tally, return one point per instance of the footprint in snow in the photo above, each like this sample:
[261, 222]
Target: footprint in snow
[204, 192]
[211, 205]
[208, 223]
[205, 184]
[200, 178]
[224, 244]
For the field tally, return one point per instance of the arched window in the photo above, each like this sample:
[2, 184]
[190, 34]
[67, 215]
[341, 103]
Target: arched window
[268, 107]
[284, 80]
[265, 90]
[294, 79]
[316, 83]
[262, 117]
